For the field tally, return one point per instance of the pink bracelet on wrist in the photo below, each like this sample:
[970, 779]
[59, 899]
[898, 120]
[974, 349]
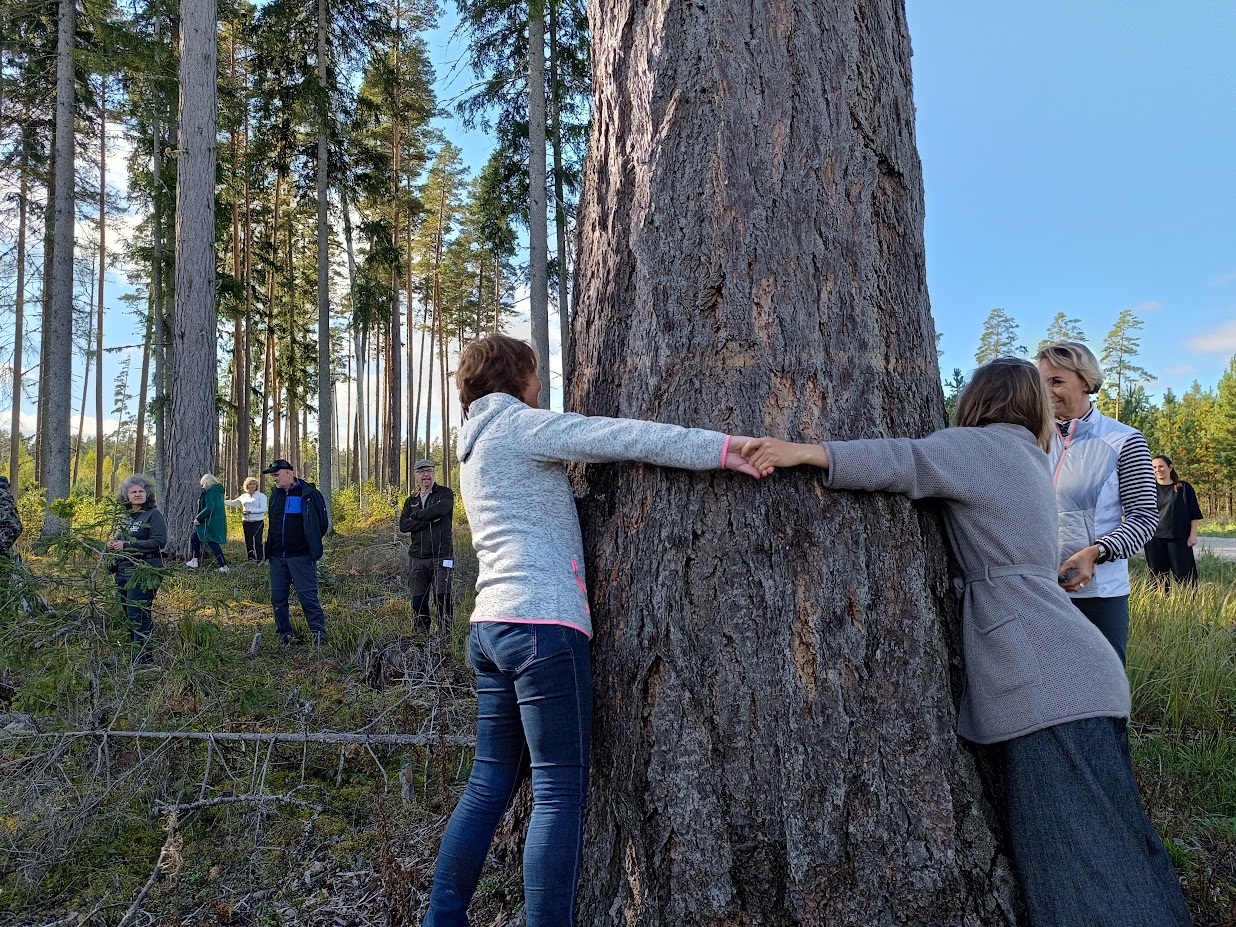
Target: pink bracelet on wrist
[725, 449]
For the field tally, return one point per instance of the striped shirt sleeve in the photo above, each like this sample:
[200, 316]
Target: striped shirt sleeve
[1138, 499]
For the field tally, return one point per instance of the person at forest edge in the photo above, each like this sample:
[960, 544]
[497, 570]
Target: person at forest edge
[254, 504]
[1042, 684]
[140, 539]
[531, 625]
[1170, 552]
[210, 525]
[1104, 490]
[427, 517]
[298, 522]
[10, 521]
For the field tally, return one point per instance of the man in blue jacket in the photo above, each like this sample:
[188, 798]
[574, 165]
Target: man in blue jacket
[298, 522]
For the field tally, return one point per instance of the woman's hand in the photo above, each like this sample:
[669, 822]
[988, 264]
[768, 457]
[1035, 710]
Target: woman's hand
[1083, 563]
[1192, 542]
[115, 545]
[734, 457]
[768, 454]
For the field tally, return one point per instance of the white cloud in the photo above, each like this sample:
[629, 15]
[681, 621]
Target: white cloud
[1180, 370]
[1147, 306]
[1221, 340]
[1223, 279]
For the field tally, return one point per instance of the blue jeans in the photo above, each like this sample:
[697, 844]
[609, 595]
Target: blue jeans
[301, 572]
[534, 709]
[1083, 849]
[195, 547]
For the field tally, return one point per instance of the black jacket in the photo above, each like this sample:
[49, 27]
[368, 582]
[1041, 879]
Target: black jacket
[429, 524]
[314, 518]
[144, 535]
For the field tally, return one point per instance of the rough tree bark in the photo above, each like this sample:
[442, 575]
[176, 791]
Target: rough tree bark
[57, 360]
[774, 731]
[191, 419]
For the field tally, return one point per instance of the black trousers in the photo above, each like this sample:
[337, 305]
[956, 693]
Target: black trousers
[1168, 557]
[253, 539]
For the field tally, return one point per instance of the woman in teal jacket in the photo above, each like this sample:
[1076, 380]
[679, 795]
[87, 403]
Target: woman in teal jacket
[211, 523]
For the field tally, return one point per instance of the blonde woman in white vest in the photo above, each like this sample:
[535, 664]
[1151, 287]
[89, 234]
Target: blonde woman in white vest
[1105, 490]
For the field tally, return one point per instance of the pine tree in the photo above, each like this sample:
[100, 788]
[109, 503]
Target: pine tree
[999, 337]
[1062, 328]
[1120, 348]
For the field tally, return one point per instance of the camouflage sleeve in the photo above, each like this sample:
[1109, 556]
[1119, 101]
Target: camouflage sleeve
[10, 523]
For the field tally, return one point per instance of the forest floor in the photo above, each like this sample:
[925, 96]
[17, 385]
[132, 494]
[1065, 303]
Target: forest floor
[98, 826]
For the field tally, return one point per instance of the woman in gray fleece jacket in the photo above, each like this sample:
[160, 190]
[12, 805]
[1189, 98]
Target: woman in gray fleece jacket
[531, 625]
[1042, 683]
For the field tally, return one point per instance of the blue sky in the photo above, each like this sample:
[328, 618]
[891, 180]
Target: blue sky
[1081, 156]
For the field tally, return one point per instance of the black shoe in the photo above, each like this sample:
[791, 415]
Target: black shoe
[142, 657]
[287, 640]
[319, 638]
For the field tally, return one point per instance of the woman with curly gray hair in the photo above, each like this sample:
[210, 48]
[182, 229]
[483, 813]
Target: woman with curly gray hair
[139, 541]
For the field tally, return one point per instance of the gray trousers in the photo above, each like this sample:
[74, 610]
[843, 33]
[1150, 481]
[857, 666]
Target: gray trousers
[1084, 851]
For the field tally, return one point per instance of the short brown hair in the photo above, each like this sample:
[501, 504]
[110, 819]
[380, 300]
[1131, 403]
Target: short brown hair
[1008, 390]
[1075, 356]
[494, 364]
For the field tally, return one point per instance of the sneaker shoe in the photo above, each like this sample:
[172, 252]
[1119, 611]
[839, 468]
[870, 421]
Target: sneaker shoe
[191, 564]
[287, 640]
[319, 638]
[224, 569]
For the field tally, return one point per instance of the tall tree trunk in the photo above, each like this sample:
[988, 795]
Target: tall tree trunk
[560, 213]
[774, 729]
[414, 435]
[192, 420]
[360, 466]
[445, 410]
[58, 323]
[326, 382]
[98, 367]
[245, 437]
[81, 413]
[268, 375]
[143, 394]
[433, 327]
[411, 361]
[160, 318]
[45, 316]
[19, 331]
[538, 232]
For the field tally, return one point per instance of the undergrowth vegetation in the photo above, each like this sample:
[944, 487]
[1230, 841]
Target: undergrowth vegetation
[337, 821]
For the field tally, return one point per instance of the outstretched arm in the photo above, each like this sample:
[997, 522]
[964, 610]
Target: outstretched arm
[920, 468]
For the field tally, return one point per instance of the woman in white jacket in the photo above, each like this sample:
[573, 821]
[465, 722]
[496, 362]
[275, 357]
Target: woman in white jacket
[254, 504]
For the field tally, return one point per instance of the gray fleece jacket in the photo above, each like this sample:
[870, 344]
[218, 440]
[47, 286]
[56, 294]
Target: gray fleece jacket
[1032, 659]
[521, 507]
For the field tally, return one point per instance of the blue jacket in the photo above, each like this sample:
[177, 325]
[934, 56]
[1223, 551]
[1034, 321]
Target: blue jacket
[316, 519]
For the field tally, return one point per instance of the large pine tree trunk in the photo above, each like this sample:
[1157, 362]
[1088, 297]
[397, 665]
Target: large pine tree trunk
[191, 422]
[774, 730]
[57, 360]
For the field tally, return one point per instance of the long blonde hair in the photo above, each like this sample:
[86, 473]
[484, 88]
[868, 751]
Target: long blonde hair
[1008, 390]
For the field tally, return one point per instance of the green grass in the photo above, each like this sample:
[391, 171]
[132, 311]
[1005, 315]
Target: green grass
[81, 825]
[1182, 668]
[1218, 529]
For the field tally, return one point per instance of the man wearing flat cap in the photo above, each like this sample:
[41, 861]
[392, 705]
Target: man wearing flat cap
[298, 522]
[427, 516]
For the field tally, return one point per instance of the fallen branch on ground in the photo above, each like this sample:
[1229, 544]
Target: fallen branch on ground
[323, 737]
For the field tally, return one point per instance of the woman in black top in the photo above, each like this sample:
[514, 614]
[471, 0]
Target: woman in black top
[140, 539]
[1170, 552]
